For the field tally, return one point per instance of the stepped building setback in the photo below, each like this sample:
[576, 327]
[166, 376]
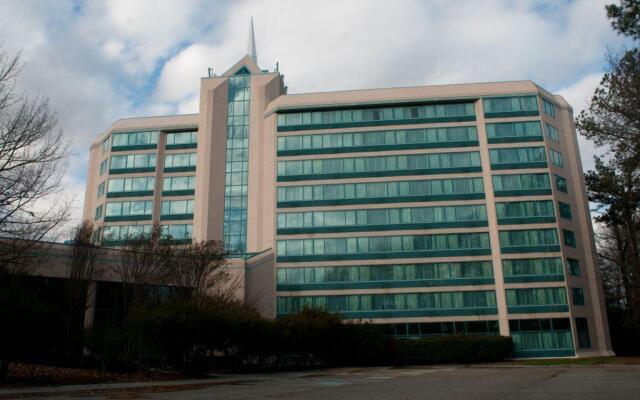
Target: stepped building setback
[435, 210]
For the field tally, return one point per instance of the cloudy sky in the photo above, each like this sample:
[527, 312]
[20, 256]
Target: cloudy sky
[101, 60]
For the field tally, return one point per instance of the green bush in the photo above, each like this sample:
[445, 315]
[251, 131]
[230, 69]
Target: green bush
[451, 349]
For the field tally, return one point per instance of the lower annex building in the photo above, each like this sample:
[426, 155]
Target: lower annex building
[436, 210]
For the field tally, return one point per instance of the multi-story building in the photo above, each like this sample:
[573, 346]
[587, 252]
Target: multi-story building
[452, 209]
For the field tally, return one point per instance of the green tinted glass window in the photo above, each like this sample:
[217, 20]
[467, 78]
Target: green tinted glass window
[577, 295]
[569, 238]
[532, 266]
[388, 302]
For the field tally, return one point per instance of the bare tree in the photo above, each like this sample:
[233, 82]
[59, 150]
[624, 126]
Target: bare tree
[83, 258]
[198, 270]
[32, 152]
[139, 266]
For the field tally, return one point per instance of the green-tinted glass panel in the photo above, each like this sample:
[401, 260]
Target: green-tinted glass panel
[532, 267]
[505, 130]
[138, 184]
[179, 232]
[380, 273]
[561, 184]
[125, 232]
[384, 216]
[355, 193]
[135, 139]
[536, 296]
[565, 210]
[347, 167]
[548, 107]
[569, 238]
[237, 162]
[582, 329]
[528, 238]
[552, 132]
[371, 116]
[577, 295]
[517, 182]
[510, 105]
[517, 155]
[525, 209]
[574, 266]
[383, 244]
[369, 141]
[389, 302]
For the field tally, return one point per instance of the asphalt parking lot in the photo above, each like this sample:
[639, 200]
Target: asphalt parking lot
[443, 382]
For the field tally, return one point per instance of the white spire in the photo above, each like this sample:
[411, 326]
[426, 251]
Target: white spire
[251, 43]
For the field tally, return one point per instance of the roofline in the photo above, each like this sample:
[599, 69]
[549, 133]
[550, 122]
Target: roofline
[416, 86]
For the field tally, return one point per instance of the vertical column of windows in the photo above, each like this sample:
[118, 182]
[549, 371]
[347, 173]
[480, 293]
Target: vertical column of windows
[236, 167]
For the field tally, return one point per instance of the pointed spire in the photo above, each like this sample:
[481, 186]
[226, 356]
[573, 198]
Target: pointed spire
[251, 43]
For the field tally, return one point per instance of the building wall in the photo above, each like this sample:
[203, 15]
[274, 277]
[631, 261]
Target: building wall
[267, 176]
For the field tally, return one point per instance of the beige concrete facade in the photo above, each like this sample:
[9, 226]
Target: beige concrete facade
[268, 101]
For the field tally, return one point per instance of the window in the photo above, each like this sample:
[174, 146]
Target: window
[126, 232]
[360, 219]
[536, 296]
[370, 273]
[380, 192]
[105, 144]
[104, 166]
[524, 209]
[177, 207]
[429, 329]
[148, 139]
[100, 191]
[577, 295]
[548, 107]
[556, 158]
[561, 184]
[534, 239]
[565, 210]
[375, 116]
[178, 139]
[532, 267]
[180, 160]
[367, 141]
[180, 232]
[361, 247]
[504, 132]
[129, 208]
[582, 329]
[389, 302]
[234, 229]
[133, 162]
[533, 337]
[505, 106]
[569, 238]
[574, 267]
[552, 132]
[139, 184]
[375, 166]
[98, 215]
[511, 157]
[521, 184]
[174, 183]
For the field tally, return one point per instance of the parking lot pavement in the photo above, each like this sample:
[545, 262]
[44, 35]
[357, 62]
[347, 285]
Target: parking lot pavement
[608, 382]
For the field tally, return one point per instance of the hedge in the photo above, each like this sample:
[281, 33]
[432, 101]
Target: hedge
[451, 350]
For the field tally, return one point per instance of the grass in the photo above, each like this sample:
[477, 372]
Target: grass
[582, 361]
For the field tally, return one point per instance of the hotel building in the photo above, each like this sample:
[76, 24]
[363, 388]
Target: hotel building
[435, 210]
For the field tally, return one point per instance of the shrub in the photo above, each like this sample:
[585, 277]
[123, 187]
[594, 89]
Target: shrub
[451, 349]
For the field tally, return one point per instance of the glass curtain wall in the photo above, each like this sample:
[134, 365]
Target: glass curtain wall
[236, 177]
